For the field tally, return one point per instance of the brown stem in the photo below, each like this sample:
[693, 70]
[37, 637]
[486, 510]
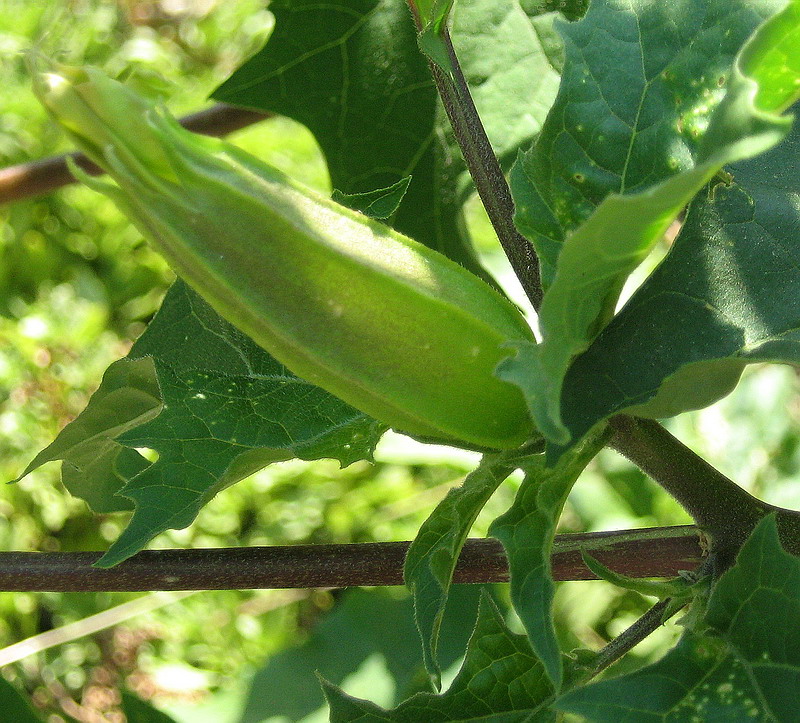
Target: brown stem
[39, 177]
[653, 552]
[722, 509]
[486, 173]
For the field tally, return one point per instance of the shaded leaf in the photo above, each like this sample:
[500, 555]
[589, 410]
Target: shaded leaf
[137, 710]
[745, 664]
[345, 638]
[380, 204]
[501, 680]
[526, 531]
[433, 554]
[14, 706]
[728, 294]
[352, 73]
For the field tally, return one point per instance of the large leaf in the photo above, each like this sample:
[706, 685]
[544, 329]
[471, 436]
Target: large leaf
[727, 294]
[501, 680]
[215, 407]
[744, 666]
[526, 531]
[352, 73]
[432, 557]
[624, 151]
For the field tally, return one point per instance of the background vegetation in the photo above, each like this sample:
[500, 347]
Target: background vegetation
[77, 285]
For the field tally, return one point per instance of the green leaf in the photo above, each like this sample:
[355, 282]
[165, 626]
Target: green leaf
[725, 296]
[228, 410]
[501, 680]
[618, 160]
[352, 73]
[381, 127]
[386, 125]
[744, 666]
[128, 396]
[526, 531]
[379, 204]
[433, 554]
[755, 608]
[14, 706]
[335, 651]
[640, 83]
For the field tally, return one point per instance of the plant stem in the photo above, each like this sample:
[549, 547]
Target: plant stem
[721, 509]
[486, 172]
[631, 637]
[654, 552]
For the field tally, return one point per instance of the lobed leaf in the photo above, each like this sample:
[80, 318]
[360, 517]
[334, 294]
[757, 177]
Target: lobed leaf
[352, 73]
[229, 409]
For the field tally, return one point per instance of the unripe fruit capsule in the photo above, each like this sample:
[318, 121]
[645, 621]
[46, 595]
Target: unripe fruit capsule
[386, 324]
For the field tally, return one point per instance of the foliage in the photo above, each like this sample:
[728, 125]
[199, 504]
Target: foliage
[618, 120]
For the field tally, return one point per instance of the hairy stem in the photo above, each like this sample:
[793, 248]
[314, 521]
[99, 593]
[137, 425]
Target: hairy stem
[631, 637]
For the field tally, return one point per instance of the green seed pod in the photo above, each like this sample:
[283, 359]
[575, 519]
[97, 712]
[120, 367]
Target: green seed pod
[386, 324]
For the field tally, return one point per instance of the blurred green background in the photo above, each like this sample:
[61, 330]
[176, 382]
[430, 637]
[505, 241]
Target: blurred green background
[77, 285]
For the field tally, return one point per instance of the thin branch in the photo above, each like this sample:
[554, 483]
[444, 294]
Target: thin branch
[632, 636]
[486, 173]
[38, 177]
[652, 552]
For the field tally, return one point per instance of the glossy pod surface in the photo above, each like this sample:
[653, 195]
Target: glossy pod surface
[386, 324]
